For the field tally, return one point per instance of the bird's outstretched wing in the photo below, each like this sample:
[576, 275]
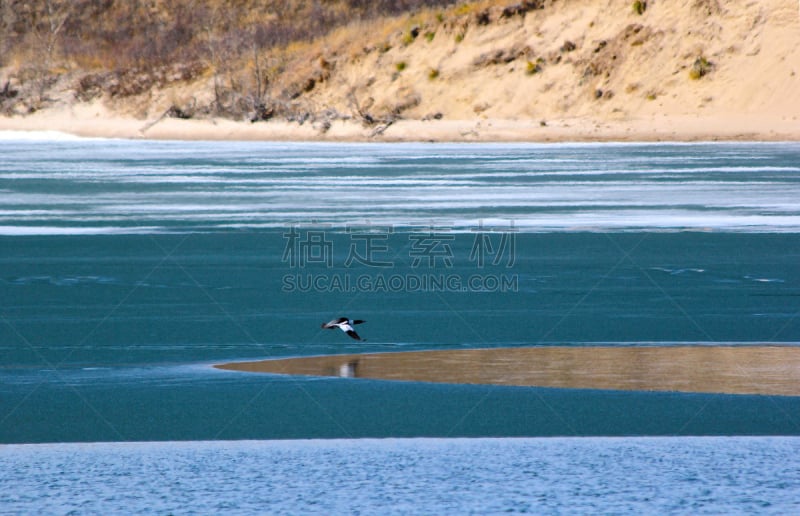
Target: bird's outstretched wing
[335, 323]
[344, 324]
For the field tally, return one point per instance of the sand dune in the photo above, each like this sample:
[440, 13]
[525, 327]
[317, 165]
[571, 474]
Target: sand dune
[573, 70]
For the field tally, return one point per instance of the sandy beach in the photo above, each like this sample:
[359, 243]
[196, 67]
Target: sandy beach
[767, 370]
[101, 124]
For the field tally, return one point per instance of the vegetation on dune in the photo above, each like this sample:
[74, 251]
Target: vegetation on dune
[319, 61]
[127, 48]
[114, 34]
[534, 67]
[700, 68]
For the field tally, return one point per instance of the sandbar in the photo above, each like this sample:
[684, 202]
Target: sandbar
[740, 369]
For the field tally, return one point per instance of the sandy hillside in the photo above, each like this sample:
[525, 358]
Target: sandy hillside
[563, 69]
[624, 66]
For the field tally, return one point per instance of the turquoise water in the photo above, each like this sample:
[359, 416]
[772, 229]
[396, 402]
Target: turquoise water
[127, 268]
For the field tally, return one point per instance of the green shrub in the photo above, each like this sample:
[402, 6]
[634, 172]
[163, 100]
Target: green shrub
[534, 67]
[465, 8]
[700, 68]
[639, 6]
[401, 66]
[433, 73]
[429, 36]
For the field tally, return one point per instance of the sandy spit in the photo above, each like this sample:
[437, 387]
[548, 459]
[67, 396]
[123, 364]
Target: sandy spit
[768, 370]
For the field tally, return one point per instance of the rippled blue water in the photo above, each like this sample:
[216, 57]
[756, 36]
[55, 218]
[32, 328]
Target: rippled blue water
[128, 267]
[442, 476]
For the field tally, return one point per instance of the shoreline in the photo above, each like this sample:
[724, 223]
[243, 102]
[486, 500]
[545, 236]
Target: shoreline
[737, 128]
[748, 369]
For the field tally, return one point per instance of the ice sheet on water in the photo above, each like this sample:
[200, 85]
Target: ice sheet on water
[187, 187]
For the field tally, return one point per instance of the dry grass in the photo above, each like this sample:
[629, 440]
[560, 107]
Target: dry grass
[253, 49]
[115, 35]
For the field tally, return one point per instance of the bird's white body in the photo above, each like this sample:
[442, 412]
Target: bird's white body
[344, 324]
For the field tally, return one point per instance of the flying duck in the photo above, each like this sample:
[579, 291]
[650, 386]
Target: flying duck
[344, 324]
